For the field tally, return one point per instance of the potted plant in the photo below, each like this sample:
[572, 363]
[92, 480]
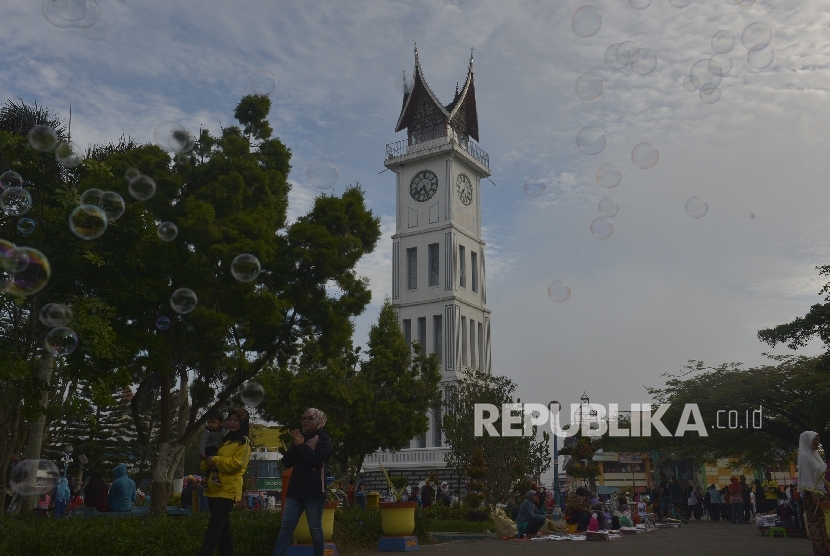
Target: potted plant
[397, 518]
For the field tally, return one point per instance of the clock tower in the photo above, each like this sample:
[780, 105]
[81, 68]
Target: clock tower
[438, 264]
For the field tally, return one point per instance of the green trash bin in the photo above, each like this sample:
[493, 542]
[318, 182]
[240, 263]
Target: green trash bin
[373, 500]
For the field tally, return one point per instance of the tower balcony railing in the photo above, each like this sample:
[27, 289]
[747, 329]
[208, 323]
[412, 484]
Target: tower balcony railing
[420, 141]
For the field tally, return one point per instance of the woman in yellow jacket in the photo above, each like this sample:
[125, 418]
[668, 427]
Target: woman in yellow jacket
[231, 461]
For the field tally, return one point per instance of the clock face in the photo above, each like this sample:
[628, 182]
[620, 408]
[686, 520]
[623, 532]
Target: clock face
[423, 186]
[464, 188]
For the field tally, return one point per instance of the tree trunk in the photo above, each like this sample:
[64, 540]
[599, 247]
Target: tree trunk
[181, 420]
[8, 443]
[163, 469]
[44, 376]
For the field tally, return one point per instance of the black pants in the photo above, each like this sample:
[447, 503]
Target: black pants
[714, 511]
[534, 525]
[581, 519]
[218, 534]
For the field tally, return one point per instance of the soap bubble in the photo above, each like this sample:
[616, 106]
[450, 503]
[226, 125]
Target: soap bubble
[26, 226]
[756, 36]
[688, 85]
[760, 59]
[142, 187]
[611, 57]
[68, 154]
[608, 176]
[15, 260]
[183, 300]
[710, 95]
[588, 86]
[131, 173]
[33, 477]
[167, 231]
[88, 222]
[645, 155]
[640, 4]
[464, 219]
[33, 277]
[706, 74]
[91, 197]
[559, 291]
[245, 267]
[163, 323]
[113, 205]
[15, 201]
[71, 10]
[263, 82]
[643, 61]
[10, 179]
[61, 341]
[591, 140]
[624, 51]
[608, 207]
[322, 173]
[722, 61]
[90, 17]
[182, 159]
[52, 15]
[680, 3]
[723, 41]
[586, 21]
[173, 137]
[55, 314]
[42, 138]
[96, 32]
[252, 394]
[534, 187]
[602, 228]
[697, 207]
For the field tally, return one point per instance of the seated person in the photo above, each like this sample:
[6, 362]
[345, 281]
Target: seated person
[530, 514]
[512, 508]
[577, 510]
[122, 491]
[623, 507]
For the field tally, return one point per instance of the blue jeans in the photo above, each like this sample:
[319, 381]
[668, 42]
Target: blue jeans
[291, 513]
[737, 512]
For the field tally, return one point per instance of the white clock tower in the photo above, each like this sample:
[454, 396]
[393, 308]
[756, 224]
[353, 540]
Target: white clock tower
[438, 277]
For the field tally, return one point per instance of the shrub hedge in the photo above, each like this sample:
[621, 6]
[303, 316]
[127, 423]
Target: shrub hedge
[254, 534]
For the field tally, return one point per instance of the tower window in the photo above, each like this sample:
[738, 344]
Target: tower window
[433, 264]
[422, 334]
[412, 268]
[472, 343]
[481, 347]
[437, 336]
[464, 341]
[474, 270]
[407, 334]
[462, 266]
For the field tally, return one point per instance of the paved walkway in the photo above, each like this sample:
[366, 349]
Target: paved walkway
[696, 538]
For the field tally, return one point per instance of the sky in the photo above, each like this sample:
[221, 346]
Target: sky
[663, 289]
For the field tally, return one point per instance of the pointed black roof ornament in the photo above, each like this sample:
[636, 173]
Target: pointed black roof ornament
[471, 59]
[456, 88]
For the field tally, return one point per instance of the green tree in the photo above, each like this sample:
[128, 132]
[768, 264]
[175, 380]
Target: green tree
[503, 453]
[227, 200]
[816, 323]
[380, 404]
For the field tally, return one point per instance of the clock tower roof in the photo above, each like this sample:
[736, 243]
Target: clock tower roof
[421, 107]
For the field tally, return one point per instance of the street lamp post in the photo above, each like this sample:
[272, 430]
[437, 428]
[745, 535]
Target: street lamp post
[554, 407]
[67, 459]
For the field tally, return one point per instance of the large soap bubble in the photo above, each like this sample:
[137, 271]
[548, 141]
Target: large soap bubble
[174, 137]
[61, 341]
[245, 267]
[113, 205]
[42, 138]
[586, 21]
[535, 187]
[645, 155]
[588, 86]
[142, 187]
[322, 173]
[263, 82]
[591, 140]
[15, 201]
[608, 176]
[602, 228]
[183, 300]
[55, 314]
[252, 394]
[697, 207]
[33, 477]
[756, 36]
[167, 231]
[10, 179]
[32, 277]
[26, 226]
[68, 155]
[559, 291]
[88, 222]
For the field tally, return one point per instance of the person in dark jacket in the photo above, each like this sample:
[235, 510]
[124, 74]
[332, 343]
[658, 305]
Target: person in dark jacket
[307, 458]
[122, 491]
[95, 493]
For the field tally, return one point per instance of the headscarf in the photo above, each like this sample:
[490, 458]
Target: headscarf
[811, 467]
[734, 486]
[530, 494]
[318, 418]
[95, 487]
[240, 436]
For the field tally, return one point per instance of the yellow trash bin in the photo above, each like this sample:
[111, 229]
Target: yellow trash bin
[372, 500]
